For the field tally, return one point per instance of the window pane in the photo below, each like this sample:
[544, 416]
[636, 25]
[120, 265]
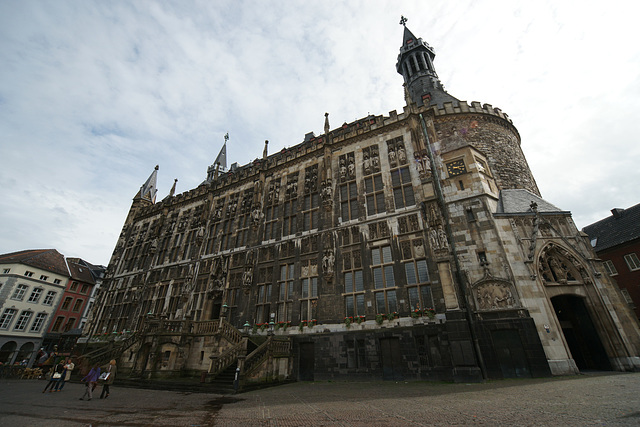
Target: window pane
[406, 176]
[368, 185]
[377, 278]
[375, 256]
[283, 272]
[359, 281]
[349, 305]
[348, 282]
[354, 210]
[410, 272]
[353, 190]
[380, 306]
[360, 304]
[391, 300]
[414, 302]
[343, 192]
[388, 276]
[371, 209]
[395, 178]
[344, 211]
[427, 299]
[397, 196]
[378, 182]
[423, 273]
[303, 310]
[386, 254]
[380, 202]
[314, 287]
[408, 195]
[305, 288]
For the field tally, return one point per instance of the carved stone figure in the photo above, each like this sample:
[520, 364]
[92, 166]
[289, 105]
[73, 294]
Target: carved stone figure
[343, 170]
[256, 216]
[328, 260]
[402, 155]
[495, 296]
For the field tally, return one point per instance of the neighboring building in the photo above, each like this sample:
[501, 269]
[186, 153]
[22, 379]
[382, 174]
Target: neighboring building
[31, 285]
[97, 272]
[616, 240]
[339, 250]
[66, 325]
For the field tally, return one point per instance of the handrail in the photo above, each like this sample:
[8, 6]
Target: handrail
[271, 347]
[221, 362]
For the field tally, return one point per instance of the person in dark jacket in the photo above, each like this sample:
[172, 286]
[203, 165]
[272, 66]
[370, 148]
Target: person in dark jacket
[110, 369]
[57, 374]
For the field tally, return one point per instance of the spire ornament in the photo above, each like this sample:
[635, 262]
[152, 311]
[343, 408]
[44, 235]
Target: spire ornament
[403, 21]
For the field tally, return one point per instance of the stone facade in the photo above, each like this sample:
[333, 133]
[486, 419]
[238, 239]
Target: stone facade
[408, 246]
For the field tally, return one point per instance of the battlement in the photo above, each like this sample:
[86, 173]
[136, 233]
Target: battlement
[475, 107]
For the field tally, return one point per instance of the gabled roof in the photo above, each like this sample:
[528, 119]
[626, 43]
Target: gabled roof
[45, 259]
[518, 201]
[81, 273]
[621, 227]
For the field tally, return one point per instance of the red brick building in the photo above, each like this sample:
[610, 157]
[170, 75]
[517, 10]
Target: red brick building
[616, 240]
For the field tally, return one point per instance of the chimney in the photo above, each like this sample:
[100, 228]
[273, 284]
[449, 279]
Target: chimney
[617, 212]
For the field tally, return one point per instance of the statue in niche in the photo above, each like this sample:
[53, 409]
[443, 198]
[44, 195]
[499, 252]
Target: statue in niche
[256, 215]
[402, 155]
[392, 156]
[442, 238]
[418, 248]
[343, 170]
[154, 246]
[327, 193]
[366, 164]
[433, 239]
[200, 235]
[375, 159]
[328, 260]
[352, 168]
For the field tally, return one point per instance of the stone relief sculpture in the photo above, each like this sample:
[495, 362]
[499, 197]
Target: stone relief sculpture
[247, 274]
[559, 266]
[494, 296]
[256, 216]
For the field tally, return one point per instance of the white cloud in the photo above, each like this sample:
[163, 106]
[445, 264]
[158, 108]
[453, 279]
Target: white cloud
[94, 94]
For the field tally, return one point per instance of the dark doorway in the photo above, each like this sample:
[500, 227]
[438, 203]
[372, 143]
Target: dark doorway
[580, 333]
[511, 356]
[307, 361]
[391, 359]
[216, 306]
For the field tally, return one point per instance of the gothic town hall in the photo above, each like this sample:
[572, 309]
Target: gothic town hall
[409, 246]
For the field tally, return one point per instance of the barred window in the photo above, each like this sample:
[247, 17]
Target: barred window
[384, 280]
[308, 289]
[374, 194]
[402, 188]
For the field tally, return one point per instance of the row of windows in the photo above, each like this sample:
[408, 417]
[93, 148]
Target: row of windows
[30, 274]
[21, 290]
[60, 320]
[23, 320]
[633, 263]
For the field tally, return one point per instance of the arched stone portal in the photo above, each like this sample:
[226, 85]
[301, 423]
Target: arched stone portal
[7, 352]
[580, 333]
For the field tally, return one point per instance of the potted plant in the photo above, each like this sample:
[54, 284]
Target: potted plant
[379, 318]
[430, 313]
[360, 319]
[348, 320]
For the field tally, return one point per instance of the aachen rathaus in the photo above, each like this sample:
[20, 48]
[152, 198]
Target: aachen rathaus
[412, 246]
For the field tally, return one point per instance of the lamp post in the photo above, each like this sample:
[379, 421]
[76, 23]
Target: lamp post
[246, 327]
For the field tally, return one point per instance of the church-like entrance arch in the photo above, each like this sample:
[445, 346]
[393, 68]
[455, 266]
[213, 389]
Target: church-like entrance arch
[580, 333]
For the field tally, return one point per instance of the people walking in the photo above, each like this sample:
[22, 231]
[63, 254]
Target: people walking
[68, 366]
[57, 373]
[110, 372]
[91, 379]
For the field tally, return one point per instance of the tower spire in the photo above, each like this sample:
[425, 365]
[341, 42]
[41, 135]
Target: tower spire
[415, 63]
[148, 190]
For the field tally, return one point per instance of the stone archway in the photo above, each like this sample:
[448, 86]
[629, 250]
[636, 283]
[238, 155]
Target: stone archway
[580, 333]
[25, 353]
[7, 352]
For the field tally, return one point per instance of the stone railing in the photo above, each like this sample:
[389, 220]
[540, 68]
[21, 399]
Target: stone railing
[221, 362]
[271, 347]
[220, 326]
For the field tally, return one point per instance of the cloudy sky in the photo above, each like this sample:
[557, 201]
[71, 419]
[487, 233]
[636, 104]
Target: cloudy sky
[94, 94]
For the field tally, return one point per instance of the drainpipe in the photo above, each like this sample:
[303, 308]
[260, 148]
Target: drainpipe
[457, 269]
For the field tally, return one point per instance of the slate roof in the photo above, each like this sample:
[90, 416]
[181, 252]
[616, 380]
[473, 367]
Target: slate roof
[81, 273]
[518, 201]
[621, 227]
[45, 259]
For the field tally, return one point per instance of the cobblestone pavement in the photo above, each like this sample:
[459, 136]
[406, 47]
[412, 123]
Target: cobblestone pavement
[610, 399]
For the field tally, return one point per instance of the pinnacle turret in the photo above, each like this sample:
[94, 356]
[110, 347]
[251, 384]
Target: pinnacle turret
[148, 190]
[415, 63]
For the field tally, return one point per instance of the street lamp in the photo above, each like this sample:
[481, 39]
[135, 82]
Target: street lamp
[246, 327]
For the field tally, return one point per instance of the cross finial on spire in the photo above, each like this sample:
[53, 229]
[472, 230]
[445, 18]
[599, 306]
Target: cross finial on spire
[403, 20]
[226, 137]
